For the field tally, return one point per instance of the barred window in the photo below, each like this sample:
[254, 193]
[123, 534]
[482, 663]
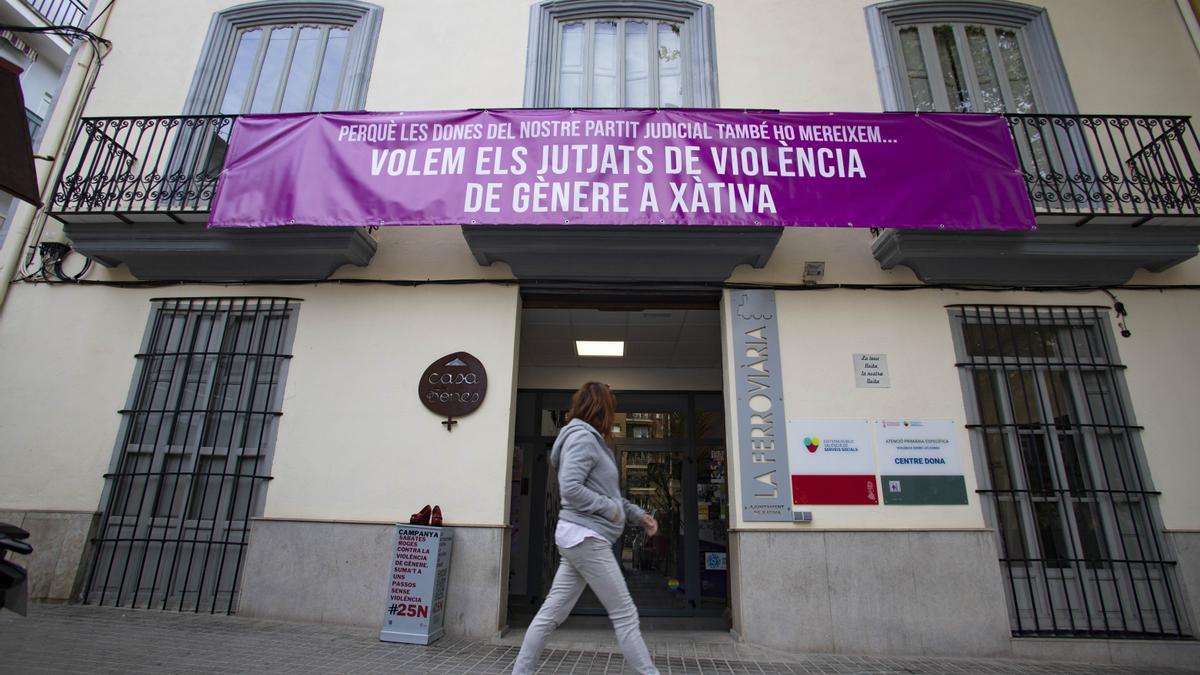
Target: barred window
[1061, 474]
[192, 461]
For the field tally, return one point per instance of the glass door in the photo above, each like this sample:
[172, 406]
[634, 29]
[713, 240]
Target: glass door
[670, 453]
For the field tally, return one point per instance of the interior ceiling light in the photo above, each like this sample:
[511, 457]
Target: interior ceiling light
[600, 347]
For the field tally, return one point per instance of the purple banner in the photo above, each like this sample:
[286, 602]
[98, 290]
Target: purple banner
[623, 167]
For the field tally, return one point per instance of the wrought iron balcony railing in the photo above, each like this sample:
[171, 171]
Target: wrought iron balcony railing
[138, 168]
[61, 12]
[1109, 168]
[1078, 168]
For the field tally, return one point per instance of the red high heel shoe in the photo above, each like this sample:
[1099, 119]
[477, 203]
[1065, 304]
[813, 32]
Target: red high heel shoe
[435, 518]
[422, 516]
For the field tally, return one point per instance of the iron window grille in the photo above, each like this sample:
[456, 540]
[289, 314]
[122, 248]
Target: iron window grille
[1061, 474]
[191, 464]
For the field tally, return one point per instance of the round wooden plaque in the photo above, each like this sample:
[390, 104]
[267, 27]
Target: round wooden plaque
[453, 385]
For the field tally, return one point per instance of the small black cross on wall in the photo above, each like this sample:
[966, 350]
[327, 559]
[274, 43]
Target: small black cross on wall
[449, 423]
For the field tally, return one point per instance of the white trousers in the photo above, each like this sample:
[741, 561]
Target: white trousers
[590, 563]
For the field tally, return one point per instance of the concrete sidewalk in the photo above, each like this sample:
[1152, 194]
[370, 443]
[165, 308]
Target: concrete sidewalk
[88, 639]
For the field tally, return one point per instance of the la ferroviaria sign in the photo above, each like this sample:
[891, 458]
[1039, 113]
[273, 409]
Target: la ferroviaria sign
[623, 167]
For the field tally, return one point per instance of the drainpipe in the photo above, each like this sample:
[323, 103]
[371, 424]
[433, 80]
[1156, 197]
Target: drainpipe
[1189, 11]
[71, 100]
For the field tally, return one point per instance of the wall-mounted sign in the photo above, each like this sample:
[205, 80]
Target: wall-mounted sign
[623, 167]
[417, 583]
[919, 462]
[871, 371]
[453, 386]
[832, 462]
[762, 448]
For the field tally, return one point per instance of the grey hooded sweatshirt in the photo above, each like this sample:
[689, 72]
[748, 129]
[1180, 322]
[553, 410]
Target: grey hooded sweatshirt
[588, 482]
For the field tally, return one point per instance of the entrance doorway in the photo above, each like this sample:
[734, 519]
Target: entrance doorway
[669, 441]
[670, 451]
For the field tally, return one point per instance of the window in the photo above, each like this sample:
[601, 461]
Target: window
[191, 465]
[285, 68]
[593, 53]
[1061, 477]
[978, 56]
[286, 57]
[35, 122]
[988, 56]
[268, 57]
[964, 67]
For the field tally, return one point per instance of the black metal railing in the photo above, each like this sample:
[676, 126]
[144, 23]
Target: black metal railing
[129, 165]
[1064, 484]
[61, 12]
[193, 456]
[1135, 167]
[1141, 166]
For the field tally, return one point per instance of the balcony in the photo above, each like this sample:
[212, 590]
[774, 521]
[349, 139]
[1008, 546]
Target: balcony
[1112, 195]
[61, 12]
[137, 191]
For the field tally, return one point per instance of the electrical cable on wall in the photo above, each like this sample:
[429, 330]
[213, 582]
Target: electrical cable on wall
[100, 48]
[1119, 308]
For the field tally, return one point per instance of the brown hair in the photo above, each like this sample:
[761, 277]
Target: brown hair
[595, 404]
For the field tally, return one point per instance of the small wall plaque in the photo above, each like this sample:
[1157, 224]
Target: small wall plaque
[871, 371]
[453, 386]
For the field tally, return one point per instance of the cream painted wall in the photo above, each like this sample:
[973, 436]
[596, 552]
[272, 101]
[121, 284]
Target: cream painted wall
[820, 330]
[810, 55]
[67, 356]
[355, 442]
[420, 58]
[787, 54]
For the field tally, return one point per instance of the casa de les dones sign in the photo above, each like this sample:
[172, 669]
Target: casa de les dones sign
[623, 167]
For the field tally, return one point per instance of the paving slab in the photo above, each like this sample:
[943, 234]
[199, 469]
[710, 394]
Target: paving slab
[90, 639]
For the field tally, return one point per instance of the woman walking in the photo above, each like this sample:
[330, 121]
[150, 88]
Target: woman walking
[592, 518]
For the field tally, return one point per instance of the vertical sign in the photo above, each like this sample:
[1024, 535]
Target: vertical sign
[416, 587]
[919, 462]
[762, 438]
[832, 461]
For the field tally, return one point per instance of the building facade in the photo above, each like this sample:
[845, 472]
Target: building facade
[229, 420]
[42, 57]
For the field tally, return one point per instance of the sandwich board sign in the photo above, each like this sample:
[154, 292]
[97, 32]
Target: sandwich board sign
[416, 585]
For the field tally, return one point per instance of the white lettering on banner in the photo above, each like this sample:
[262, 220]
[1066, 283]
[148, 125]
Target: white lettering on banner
[431, 162]
[840, 133]
[798, 162]
[703, 178]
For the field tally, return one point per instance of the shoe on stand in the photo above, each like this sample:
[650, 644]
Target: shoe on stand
[435, 519]
[422, 516]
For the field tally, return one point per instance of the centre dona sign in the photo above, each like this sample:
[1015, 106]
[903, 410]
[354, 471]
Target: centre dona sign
[623, 167]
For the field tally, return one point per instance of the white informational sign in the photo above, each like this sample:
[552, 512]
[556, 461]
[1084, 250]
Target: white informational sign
[918, 448]
[871, 371]
[830, 446]
[417, 583]
[832, 461]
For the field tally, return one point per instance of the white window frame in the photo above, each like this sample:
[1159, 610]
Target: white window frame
[546, 18]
